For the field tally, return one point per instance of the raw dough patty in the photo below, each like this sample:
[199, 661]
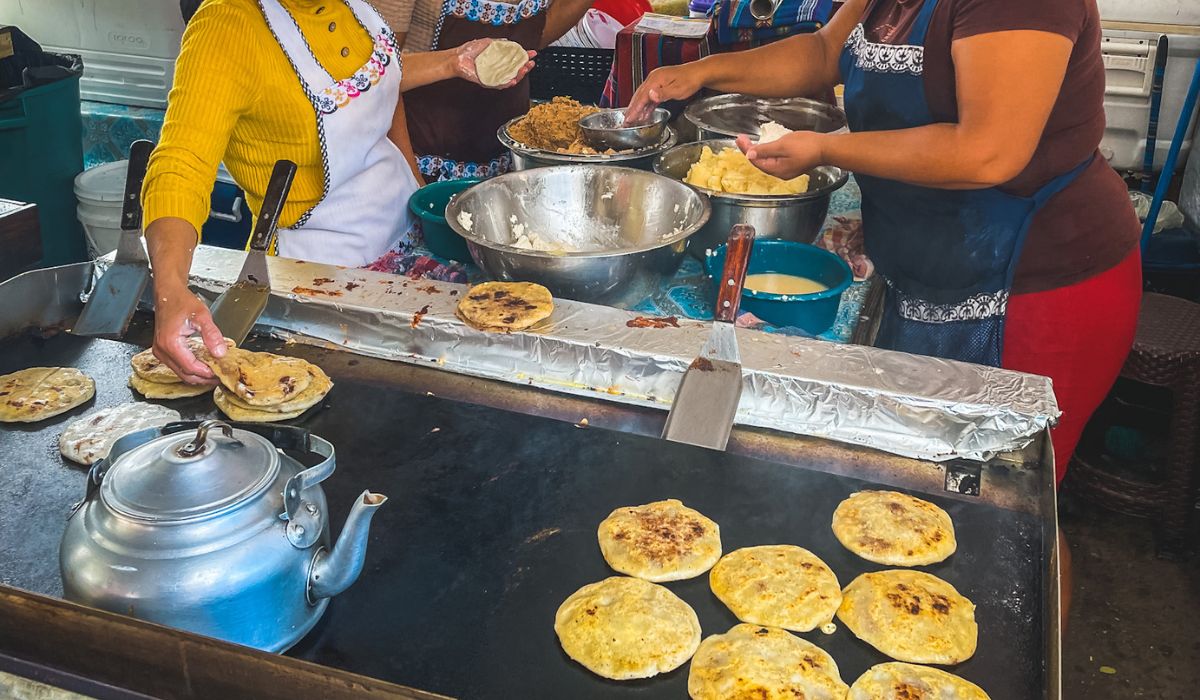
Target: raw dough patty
[500, 62]
[90, 438]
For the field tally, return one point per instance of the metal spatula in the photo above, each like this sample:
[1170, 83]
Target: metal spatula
[706, 403]
[115, 297]
[237, 309]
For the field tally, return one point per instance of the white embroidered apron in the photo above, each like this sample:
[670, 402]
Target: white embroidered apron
[363, 212]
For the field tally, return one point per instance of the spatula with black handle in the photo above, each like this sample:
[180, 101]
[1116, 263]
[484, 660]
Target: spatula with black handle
[237, 309]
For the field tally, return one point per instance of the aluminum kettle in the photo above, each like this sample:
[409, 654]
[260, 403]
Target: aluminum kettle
[213, 529]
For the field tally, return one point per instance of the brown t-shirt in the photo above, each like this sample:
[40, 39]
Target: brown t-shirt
[1088, 227]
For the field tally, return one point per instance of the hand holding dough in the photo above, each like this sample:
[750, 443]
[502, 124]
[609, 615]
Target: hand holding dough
[500, 62]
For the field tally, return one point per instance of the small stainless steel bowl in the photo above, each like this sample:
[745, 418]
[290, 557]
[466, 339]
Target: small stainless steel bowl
[606, 129]
[793, 217]
[728, 116]
[628, 229]
[526, 158]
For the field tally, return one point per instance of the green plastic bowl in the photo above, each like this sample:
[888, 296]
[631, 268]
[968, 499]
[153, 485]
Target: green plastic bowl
[429, 204]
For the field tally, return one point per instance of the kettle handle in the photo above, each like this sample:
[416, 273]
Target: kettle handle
[304, 519]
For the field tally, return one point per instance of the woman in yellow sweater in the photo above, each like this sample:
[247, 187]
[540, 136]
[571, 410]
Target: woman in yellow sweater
[317, 82]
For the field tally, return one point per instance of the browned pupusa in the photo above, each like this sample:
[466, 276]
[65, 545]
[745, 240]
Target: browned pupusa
[505, 306]
[777, 585]
[910, 616]
[763, 663]
[660, 541]
[259, 378]
[897, 681]
[624, 628]
[893, 528]
[38, 393]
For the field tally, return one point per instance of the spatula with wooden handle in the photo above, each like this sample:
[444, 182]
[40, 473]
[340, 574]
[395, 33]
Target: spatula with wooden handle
[707, 400]
[237, 309]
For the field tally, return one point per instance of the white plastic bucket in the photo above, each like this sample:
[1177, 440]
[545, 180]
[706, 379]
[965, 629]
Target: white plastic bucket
[99, 191]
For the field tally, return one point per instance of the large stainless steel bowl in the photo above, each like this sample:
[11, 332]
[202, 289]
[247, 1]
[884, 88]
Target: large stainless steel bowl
[727, 116]
[526, 158]
[796, 217]
[627, 229]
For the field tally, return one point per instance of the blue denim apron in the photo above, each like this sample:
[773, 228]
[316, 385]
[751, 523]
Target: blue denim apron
[947, 256]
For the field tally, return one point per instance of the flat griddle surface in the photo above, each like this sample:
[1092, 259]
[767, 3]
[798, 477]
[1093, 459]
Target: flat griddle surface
[491, 523]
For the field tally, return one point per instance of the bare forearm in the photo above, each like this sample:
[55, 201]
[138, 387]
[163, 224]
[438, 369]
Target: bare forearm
[787, 68]
[947, 156]
[427, 67]
[562, 15]
[170, 242]
[399, 136]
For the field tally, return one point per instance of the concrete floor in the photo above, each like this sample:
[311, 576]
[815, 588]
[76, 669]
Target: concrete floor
[1133, 630]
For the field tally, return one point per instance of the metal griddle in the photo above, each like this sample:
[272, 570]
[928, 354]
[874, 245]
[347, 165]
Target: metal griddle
[492, 523]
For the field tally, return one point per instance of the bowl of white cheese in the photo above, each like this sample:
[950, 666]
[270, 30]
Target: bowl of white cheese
[599, 234]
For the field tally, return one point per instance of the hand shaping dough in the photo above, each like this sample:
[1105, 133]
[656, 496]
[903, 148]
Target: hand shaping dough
[500, 62]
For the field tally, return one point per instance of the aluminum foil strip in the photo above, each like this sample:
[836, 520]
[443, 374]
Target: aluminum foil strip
[908, 405]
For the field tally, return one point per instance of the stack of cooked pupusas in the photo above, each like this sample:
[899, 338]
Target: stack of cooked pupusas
[261, 387]
[256, 387]
[154, 380]
[627, 627]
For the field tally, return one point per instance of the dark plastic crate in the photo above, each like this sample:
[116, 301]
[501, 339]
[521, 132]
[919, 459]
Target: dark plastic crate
[577, 73]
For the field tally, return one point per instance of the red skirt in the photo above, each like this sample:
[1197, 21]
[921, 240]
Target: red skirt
[1079, 336]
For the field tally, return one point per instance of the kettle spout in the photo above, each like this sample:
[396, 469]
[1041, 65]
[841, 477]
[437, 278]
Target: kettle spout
[333, 572]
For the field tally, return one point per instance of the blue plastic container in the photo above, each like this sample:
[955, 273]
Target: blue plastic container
[814, 313]
[429, 205]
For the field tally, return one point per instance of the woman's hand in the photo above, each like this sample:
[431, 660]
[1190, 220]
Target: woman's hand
[464, 63]
[663, 85]
[789, 157]
[178, 315]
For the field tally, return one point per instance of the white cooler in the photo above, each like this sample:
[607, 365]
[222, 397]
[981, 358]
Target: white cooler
[128, 47]
[1131, 33]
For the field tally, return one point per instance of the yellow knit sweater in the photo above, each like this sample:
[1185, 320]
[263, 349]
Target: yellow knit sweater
[237, 99]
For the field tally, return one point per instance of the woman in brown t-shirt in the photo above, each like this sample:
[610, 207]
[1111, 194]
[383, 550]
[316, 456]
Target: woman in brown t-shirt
[1004, 239]
[974, 133]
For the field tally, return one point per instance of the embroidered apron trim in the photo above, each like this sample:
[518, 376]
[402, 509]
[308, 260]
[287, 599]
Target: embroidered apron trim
[885, 58]
[340, 93]
[326, 104]
[487, 12]
[980, 306]
[447, 169]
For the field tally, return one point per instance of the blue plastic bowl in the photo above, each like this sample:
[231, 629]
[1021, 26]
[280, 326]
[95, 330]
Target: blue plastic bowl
[429, 205]
[814, 313]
